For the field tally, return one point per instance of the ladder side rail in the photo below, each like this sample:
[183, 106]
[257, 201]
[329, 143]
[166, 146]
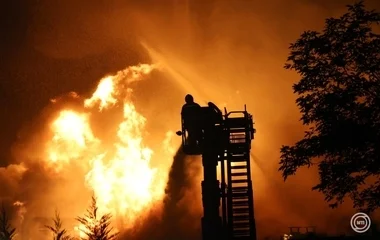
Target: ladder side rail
[229, 198]
[226, 131]
[223, 191]
[251, 209]
[249, 133]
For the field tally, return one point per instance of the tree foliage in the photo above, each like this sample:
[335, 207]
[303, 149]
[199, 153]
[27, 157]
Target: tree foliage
[59, 233]
[338, 96]
[7, 232]
[96, 228]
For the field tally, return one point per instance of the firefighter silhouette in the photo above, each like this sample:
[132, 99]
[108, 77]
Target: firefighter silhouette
[192, 116]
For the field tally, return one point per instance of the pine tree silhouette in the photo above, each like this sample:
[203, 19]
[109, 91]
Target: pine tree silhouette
[96, 228]
[7, 232]
[59, 233]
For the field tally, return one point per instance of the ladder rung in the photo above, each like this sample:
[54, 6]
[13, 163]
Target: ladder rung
[239, 189]
[241, 224]
[237, 141]
[245, 236]
[240, 204]
[241, 200]
[236, 130]
[240, 137]
[246, 215]
[238, 145]
[237, 156]
[239, 174]
[237, 136]
[237, 159]
[238, 149]
[240, 195]
[239, 181]
[241, 228]
[241, 233]
[242, 215]
[239, 167]
[244, 218]
[236, 126]
[244, 207]
[242, 145]
[240, 210]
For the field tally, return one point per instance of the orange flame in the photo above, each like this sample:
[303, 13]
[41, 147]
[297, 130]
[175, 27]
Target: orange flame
[121, 177]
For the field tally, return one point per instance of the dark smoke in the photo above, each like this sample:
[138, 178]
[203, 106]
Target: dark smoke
[179, 220]
[178, 215]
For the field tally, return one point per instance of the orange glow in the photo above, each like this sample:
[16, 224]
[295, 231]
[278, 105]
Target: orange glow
[121, 176]
[229, 52]
[103, 94]
[71, 136]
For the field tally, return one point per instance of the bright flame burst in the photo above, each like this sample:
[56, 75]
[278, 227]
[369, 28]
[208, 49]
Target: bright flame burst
[122, 179]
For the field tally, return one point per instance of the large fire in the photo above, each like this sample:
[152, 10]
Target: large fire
[121, 176]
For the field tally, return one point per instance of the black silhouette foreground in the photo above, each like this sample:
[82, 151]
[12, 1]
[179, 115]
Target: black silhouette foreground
[7, 232]
[96, 227]
[339, 98]
[190, 114]
[57, 230]
[225, 141]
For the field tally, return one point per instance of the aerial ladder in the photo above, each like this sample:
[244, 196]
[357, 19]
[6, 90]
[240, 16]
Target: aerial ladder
[225, 142]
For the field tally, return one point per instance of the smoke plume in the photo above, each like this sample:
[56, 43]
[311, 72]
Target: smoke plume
[180, 215]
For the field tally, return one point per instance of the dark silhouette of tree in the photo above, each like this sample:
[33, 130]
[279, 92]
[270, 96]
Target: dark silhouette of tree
[7, 232]
[96, 228]
[59, 233]
[339, 99]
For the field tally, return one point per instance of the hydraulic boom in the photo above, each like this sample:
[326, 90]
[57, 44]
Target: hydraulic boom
[225, 145]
